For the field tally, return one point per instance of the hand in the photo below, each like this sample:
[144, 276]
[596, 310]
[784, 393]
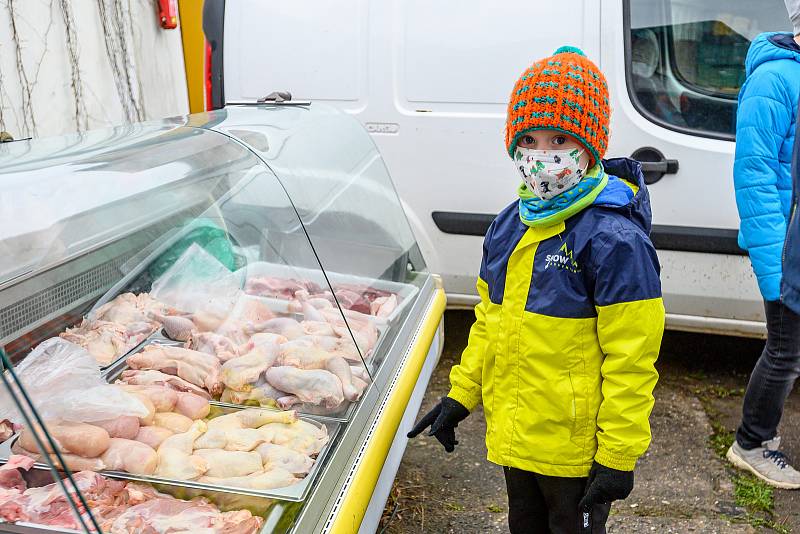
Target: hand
[443, 420]
[605, 485]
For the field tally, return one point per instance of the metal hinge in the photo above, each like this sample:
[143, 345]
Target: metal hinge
[283, 98]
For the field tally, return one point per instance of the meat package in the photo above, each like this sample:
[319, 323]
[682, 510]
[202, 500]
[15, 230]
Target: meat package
[117, 506]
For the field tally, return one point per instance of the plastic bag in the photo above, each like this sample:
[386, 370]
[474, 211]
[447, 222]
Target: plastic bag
[205, 233]
[198, 282]
[63, 382]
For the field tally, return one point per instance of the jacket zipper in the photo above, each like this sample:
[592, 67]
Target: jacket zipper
[785, 243]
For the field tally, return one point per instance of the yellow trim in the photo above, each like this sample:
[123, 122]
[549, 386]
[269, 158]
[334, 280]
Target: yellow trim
[357, 497]
[194, 52]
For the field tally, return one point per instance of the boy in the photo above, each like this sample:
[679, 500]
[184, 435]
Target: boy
[765, 136]
[570, 321]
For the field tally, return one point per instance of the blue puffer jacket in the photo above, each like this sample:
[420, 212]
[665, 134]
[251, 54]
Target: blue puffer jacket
[765, 132]
[791, 264]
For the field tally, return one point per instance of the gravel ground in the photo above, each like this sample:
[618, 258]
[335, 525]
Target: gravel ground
[681, 483]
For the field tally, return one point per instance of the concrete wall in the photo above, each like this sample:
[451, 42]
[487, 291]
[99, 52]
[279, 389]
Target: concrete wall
[62, 69]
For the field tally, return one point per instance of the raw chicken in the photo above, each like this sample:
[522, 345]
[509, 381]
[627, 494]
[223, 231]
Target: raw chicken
[175, 326]
[129, 308]
[315, 358]
[313, 386]
[310, 313]
[285, 326]
[198, 368]
[300, 436]
[241, 372]
[174, 422]
[231, 439]
[150, 377]
[49, 506]
[226, 464]
[262, 393]
[82, 439]
[383, 306]
[318, 328]
[334, 345]
[162, 397]
[6, 429]
[281, 457]
[175, 458]
[213, 343]
[131, 456]
[281, 288]
[262, 339]
[169, 515]
[124, 426]
[153, 436]
[10, 477]
[72, 461]
[119, 507]
[251, 418]
[275, 478]
[192, 406]
[105, 341]
[251, 309]
[149, 406]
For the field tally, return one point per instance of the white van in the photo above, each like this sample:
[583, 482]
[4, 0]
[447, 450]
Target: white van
[430, 81]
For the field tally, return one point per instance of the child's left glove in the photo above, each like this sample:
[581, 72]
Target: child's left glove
[443, 420]
[606, 485]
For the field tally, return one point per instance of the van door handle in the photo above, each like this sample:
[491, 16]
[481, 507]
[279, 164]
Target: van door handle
[654, 164]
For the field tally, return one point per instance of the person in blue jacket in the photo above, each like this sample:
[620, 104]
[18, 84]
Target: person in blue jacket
[765, 135]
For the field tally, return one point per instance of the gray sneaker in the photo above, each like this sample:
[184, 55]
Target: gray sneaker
[767, 463]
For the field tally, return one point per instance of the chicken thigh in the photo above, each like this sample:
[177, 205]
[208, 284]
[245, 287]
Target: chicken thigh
[314, 386]
[198, 368]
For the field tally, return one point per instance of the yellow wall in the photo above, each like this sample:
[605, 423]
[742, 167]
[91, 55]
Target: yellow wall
[194, 54]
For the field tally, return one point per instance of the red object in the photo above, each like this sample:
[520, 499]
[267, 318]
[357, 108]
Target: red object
[168, 14]
[208, 77]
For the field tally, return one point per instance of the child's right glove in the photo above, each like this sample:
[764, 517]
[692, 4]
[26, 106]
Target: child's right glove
[606, 485]
[443, 420]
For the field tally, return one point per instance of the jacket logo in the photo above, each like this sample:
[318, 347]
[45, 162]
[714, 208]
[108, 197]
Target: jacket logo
[562, 260]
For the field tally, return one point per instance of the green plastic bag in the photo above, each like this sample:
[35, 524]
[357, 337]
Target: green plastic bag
[207, 235]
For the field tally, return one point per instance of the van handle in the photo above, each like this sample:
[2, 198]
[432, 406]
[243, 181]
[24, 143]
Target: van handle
[654, 164]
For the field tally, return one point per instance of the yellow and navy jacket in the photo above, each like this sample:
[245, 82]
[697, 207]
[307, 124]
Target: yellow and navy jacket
[566, 335]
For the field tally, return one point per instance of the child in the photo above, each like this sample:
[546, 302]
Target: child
[570, 321]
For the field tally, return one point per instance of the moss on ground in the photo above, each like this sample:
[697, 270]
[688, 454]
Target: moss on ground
[751, 493]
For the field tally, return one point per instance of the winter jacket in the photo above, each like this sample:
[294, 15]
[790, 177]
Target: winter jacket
[566, 335]
[790, 289]
[764, 139]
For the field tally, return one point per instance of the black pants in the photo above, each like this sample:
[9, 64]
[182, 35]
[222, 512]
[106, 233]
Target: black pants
[538, 503]
[772, 378]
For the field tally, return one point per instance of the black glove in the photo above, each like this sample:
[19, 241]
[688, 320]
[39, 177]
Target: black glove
[605, 485]
[443, 420]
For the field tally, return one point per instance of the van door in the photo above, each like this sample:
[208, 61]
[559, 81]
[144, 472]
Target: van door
[674, 75]
[429, 80]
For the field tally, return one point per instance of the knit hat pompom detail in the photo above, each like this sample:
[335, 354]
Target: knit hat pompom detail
[569, 50]
[564, 92]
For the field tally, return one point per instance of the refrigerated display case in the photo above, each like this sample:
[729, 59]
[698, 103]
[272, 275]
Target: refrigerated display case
[256, 258]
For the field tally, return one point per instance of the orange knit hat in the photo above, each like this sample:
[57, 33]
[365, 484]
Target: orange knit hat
[565, 92]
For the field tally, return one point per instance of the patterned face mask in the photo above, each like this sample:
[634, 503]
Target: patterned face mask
[548, 173]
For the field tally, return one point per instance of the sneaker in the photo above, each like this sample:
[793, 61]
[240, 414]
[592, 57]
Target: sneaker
[767, 463]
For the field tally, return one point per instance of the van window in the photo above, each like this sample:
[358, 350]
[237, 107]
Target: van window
[686, 58]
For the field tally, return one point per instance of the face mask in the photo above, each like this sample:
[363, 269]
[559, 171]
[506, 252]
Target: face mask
[548, 173]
